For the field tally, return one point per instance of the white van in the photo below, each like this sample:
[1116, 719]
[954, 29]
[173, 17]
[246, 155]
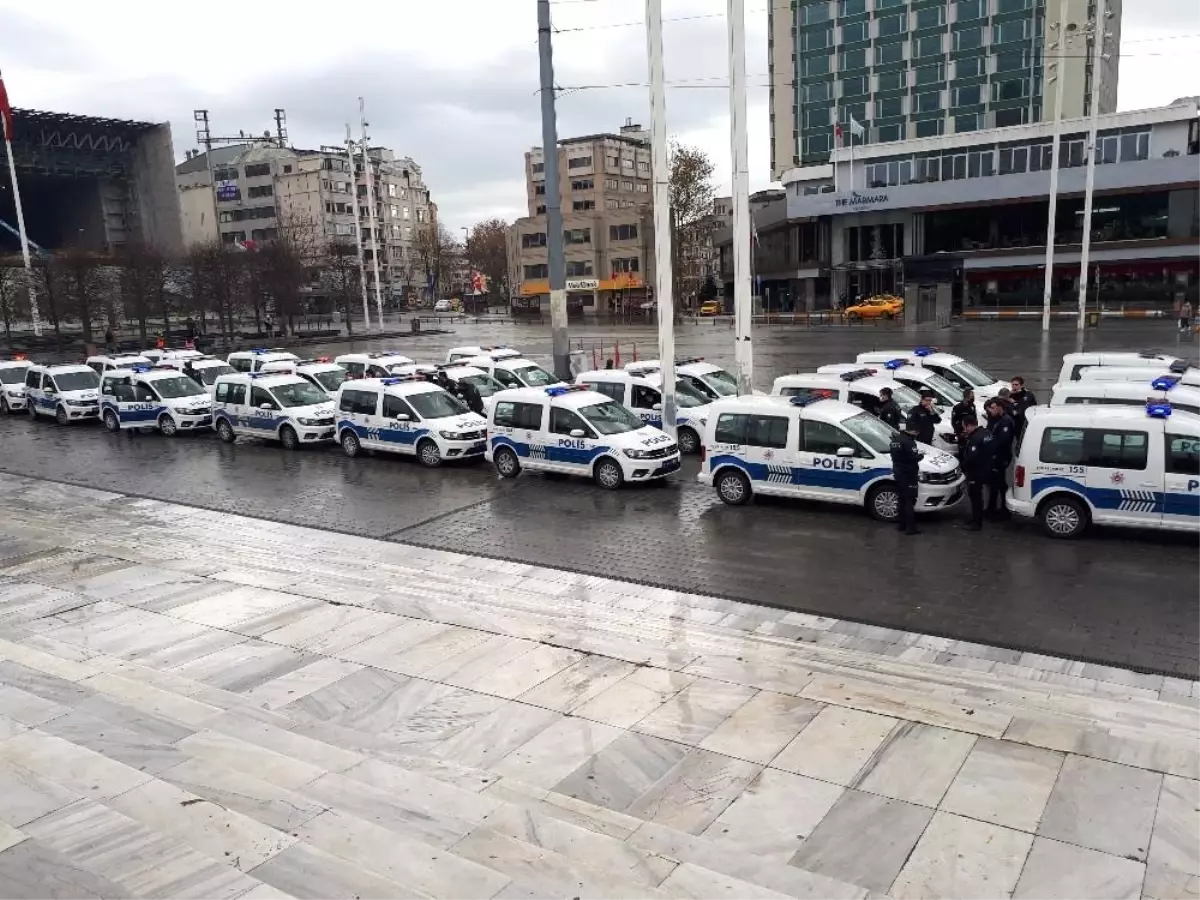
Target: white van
[205, 370]
[254, 360]
[1109, 465]
[283, 407]
[70, 393]
[161, 397]
[12, 383]
[101, 364]
[946, 393]
[372, 365]
[326, 375]
[513, 371]
[816, 450]
[1128, 393]
[710, 380]
[458, 354]
[641, 392]
[954, 369]
[1151, 360]
[1188, 375]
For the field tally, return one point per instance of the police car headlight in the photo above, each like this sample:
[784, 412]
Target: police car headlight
[637, 454]
[13, 393]
[309, 422]
[923, 478]
[451, 435]
[79, 402]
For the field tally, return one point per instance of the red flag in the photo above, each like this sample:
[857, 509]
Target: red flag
[837, 131]
[5, 112]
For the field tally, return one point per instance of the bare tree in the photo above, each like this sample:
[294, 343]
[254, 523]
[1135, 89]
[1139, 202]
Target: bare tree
[47, 279]
[691, 191]
[487, 253]
[144, 273]
[216, 276]
[341, 276]
[14, 297]
[84, 283]
[436, 249]
[284, 265]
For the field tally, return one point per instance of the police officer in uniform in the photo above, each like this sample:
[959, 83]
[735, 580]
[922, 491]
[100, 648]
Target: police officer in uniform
[1003, 432]
[905, 458]
[976, 465]
[1022, 399]
[924, 417]
[889, 410]
[964, 409]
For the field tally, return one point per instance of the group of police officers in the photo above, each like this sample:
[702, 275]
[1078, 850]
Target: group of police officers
[984, 451]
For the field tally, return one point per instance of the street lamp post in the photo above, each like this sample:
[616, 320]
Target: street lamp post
[1098, 35]
[1059, 75]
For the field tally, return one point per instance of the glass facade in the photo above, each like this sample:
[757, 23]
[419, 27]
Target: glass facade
[913, 68]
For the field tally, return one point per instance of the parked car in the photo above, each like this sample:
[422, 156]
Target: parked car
[881, 306]
[443, 305]
[710, 308]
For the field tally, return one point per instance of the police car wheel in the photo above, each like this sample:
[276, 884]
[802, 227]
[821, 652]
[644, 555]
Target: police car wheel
[506, 463]
[350, 443]
[287, 437]
[428, 454]
[111, 422]
[61, 417]
[733, 487]
[32, 410]
[608, 474]
[883, 503]
[225, 432]
[167, 426]
[689, 441]
[1063, 517]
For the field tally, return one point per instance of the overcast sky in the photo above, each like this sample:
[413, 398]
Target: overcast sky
[452, 83]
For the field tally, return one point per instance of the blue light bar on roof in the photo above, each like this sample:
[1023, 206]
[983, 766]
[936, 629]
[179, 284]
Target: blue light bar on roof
[893, 364]
[804, 400]
[1180, 366]
[260, 350]
[1165, 383]
[1158, 409]
[925, 351]
[560, 389]
[140, 369]
[855, 374]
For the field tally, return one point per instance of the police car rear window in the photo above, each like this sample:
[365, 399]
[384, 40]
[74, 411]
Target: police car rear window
[1097, 447]
[612, 389]
[752, 431]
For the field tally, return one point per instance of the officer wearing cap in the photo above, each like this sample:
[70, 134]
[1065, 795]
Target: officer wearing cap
[925, 417]
[906, 457]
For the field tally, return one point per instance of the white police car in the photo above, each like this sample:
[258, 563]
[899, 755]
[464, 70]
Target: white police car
[161, 397]
[1075, 363]
[101, 364]
[861, 388]
[570, 430]
[816, 450]
[1111, 465]
[70, 393]
[709, 380]
[204, 370]
[254, 360]
[372, 365]
[280, 406]
[954, 369]
[407, 414]
[326, 375]
[458, 354]
[12, 382]
[513, 371]
[1188, 375]
[642, 393]
[946, 394]
[457, 374]
[1183, 398]
[174, 356]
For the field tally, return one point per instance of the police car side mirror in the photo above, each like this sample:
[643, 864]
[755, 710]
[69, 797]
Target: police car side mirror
[578, 433]
[845, 452]
[49, 390]
[402, 417]
[266, 406]
[657, 406]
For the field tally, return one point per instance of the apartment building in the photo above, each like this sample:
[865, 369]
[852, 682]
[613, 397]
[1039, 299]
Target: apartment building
[906, 69]
[604, 183]
[259, 188]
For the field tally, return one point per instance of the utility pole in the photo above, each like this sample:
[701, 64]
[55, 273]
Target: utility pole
[743, 294]
[1051, 221]
[362, 265]
[1098, 34]
[554, 224]
[5, 122]
[660, 171]
[371, 217]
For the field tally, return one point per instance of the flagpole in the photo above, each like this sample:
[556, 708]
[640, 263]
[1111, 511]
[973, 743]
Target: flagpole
[12, 171]
[358, 241]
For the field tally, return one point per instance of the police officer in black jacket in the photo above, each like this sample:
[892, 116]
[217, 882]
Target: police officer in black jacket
[1022, 399]
[925, 417]
[976, 465]
[905, 458]
[962, 410]
[889, 410]
[1003, 432]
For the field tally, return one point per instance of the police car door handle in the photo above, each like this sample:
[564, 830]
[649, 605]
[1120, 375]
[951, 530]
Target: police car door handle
[1149, 484]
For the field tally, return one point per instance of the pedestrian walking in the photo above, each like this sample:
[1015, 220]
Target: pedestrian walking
[1185, 315]
[925, 418]
[962, 410]
[889, 410]
[906, 456]
[109, 340]
[1003, 432]
[976, 458]
[1022, 400]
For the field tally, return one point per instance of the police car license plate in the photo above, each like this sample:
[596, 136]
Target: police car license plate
[326, 435]
[669, 466]
[478, 447]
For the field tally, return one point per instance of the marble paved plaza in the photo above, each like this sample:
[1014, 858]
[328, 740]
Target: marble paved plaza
[193, 704]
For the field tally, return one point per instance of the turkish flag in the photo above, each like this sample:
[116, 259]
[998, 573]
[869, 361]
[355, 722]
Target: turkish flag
[6, 116]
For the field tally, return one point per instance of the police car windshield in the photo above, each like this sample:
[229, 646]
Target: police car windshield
[906, 398]
[535, 376]
[687, 396]
[13, 374]
[209, 375]
[485, 384]
[948, 389]
[436, 405]
[331, 380]
[721, 382]
[76, 381]
[972, 374]
[611, 417]
[177, 386]
[299, 394]
[873, 432]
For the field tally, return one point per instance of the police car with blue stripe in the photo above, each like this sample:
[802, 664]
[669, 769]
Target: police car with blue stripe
[958, 371]
[641, 392]
[1134, 466]
[1184, 398]
[708, 378]
[147, 397]
[408, 415]
[70, 393]
[12, 382]
[282, 407]
[570, 430]
[816, 450]
[254, 360]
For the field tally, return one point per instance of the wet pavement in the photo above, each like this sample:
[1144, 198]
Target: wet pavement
[1119, 598]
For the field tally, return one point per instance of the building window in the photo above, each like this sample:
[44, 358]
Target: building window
[611, 184]
[965, 123]
[1013, 160]
[1012, 62]
[627, 187]
[1135, 146]
[1007, 32]
[259, 191]
[578, 236]
[929, 46]
[889, 108]
[1041, 157]
[537, 270]
[856, 86]
[642, 188]
[1013, 89]
[971, 67]
[287, 170]
[891, 81]
[583, 205]
[887, 4]
[816, 144]
[1008, 6]
[1009, 117]
[852, 7]
[968, 39]
[404, 212]
[886, 133]
[537, 211]
[579, 268]
[929, 128]
[1071, 154]
[624, 264]
[970, 9]
[420, 215]
[813, 13]
[816, 93]
[391, 189]
[931, 17]
[854, 32]
[257, 170]
[225, 174]
[644, 168]
[816, 117]
[853, 59]
[967, 96]
[954, 167]
[623, 232]
[816, 40]
[539, 190]
[856, 110]
[816, 65]
[927, 102]
[538, 168]
[537, 239]
[934, 74]
[579, 162]
[981, 164]
[583, 184]
[890, 25]
[612, 162]
[611, 204]
[894, 52]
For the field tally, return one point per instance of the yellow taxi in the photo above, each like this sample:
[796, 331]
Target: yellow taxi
[710, 308]
[880, 306]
